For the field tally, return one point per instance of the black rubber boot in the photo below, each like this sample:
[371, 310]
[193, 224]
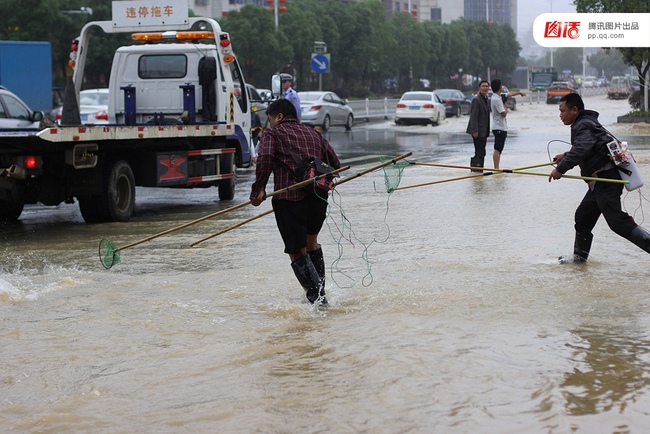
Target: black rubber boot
[641, 238]
[581, 248]
[316, 257]
[477, 162]
[308, 277]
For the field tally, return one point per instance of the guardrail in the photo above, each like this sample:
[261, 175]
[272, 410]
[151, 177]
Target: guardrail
[373, 109]
[384, 108]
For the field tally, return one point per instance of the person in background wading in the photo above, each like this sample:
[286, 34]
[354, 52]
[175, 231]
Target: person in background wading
[290, 94]
[299, 214]
[499, 122]
[479, 124]
[589, 151]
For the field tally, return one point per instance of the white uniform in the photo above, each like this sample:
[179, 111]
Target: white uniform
[292, 96]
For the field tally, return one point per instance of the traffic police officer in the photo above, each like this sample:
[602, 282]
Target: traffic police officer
[291, 94]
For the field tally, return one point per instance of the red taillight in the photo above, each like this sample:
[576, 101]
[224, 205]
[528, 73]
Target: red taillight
[102, 115]
[29, 162]
[400, 105]
[315, 107]
[427, 106]
[450, 101]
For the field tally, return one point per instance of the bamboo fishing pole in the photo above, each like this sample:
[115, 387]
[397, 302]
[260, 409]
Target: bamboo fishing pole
[521, 171]
[349, 178]
[482, 168]
[379, 166]
[487, 172]
[209, 216]
[232, 227]
[584, 178]
[444, 180]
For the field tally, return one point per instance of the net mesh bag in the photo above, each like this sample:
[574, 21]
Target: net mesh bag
[108, 254]
[393, 173]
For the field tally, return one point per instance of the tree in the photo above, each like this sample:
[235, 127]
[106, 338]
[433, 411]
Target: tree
[609, 62]
[261, 50]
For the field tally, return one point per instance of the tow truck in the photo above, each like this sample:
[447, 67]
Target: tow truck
[175, 120]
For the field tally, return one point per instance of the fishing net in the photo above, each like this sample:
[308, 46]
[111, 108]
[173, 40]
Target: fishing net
[109, 255]
[393, 173]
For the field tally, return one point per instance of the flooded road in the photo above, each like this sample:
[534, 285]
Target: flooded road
[449, 312]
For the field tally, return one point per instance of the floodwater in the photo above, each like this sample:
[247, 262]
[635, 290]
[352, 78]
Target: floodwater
[449, 312]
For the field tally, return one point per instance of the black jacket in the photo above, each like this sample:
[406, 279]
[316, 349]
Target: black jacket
[588, 145]
[479, 117]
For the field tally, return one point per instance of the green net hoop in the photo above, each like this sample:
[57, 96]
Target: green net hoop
[108, 253]
[393, 173]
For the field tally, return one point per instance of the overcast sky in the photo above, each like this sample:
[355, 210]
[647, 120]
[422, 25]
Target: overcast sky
[528, 10]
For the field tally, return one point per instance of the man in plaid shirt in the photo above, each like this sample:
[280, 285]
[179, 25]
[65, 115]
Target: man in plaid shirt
[299, 214]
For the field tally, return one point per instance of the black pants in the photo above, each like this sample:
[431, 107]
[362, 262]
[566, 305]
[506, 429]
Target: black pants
[605, 199]
[479, 146]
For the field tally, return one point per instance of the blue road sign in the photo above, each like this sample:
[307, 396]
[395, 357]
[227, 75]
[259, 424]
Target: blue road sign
[320, 62]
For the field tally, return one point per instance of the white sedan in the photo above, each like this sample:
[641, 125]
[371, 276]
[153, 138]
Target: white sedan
[419, 107]
[325, 109]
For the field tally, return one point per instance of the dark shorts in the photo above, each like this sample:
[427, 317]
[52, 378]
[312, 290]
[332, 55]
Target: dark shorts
[296, 220]
[499, 139]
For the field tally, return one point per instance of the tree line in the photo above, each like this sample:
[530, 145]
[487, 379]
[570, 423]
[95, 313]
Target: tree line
[367, 48]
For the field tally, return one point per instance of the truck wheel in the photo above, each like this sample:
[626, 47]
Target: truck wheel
[227, 186]
[117, 202]
[92, 210]
[10, 210]
[120, 192]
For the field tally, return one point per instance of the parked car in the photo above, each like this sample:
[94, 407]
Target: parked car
[259, 104]
[325, 109]
[455, 101]
[14, 113]
[557, 90]
[422, 107]
[93, 107]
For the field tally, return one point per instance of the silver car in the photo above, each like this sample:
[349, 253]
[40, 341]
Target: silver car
[14, 113]
[93, 107]
[419, 107]
[325, 109]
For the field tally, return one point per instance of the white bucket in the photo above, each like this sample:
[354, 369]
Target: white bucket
[625, 164]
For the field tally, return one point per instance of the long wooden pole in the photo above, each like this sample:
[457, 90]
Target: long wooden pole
[241, 205]
[521, 171]
[232, 227]
[372, 169]
[349, 178]
[444, 180]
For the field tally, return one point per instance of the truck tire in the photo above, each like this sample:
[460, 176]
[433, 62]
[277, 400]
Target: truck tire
[120, 192]
[117, 202]
[10, 210]
[227, 186]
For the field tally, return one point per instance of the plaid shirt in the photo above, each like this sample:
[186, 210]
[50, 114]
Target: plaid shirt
[305, 143]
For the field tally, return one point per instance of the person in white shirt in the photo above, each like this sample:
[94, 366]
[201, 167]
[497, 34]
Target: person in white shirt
[499, 122]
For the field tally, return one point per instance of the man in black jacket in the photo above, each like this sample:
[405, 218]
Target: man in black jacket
[589, 151]
[479, 124]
